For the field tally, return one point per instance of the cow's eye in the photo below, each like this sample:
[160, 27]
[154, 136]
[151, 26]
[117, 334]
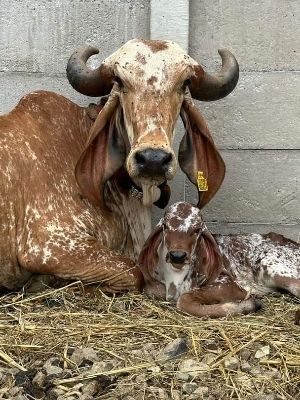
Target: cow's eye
[186, 83]
[119, 82]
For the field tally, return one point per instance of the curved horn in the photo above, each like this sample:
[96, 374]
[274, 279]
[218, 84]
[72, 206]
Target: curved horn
[208, 87]
[91, 82]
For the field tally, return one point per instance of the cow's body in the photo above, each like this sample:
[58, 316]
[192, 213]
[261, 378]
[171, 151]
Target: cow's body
[46, 226]
[215, 275]
[67, 207]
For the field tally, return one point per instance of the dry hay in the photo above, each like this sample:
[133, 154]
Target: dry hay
[131, 330]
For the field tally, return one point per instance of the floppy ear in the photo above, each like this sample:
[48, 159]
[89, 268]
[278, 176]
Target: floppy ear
[103, 155]
[198, 156]
[148, 257]
[209, 257]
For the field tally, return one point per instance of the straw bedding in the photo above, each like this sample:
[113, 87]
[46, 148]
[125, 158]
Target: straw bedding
[249, 357]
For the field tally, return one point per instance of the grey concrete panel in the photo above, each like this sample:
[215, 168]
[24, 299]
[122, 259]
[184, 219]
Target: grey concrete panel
[14, 86]
[260, 187]
[261, 113]
[170, 21]
[39, 36]
[263, 35]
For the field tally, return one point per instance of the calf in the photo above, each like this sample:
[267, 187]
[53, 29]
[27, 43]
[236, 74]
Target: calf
[215, 275]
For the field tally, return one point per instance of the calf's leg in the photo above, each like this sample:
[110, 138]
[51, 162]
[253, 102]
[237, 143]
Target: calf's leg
[217, 301]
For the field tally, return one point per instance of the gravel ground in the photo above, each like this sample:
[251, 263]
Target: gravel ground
[74, 343]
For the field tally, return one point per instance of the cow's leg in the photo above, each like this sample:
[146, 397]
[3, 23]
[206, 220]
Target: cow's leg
[217, 301]
[88, 263]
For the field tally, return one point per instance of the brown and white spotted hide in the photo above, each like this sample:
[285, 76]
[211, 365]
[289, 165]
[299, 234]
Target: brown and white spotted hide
[215, 275]
[47, 227]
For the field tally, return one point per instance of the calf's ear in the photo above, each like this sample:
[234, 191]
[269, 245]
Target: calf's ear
[209, 257]
[103, 155]
[198, 156]
[148, 257]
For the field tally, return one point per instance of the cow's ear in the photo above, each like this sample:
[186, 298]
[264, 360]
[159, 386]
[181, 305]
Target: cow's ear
[209, 257]
[148, 257]
[198, 156]
[104, 154]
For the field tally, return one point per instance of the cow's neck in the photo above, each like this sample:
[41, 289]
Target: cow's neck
[137, 217]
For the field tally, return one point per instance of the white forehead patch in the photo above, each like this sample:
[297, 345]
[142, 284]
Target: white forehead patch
[183, 216]
[155, 64]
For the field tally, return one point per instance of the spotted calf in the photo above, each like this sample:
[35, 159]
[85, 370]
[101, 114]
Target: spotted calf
[215, 275]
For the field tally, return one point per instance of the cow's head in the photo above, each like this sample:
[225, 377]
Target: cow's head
[149, 83]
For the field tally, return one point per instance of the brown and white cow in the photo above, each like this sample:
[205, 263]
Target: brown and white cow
[215, 275]
[91, 224]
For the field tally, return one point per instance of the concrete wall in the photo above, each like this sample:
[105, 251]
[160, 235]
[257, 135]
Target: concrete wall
[38, 36]
[256, 127]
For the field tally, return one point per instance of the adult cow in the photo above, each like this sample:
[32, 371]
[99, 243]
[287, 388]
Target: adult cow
[91, 224]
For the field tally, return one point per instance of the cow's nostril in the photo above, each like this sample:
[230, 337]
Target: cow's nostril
[167, 159]
[140, 158]
[177, 257]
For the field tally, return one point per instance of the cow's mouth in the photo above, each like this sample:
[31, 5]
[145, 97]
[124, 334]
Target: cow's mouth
[149, 193]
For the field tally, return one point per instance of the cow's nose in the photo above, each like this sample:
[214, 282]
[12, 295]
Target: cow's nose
[177, 257]
[153, 162]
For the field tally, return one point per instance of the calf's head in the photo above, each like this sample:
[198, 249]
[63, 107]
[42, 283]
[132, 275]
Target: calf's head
[187, 242]
[150, 83]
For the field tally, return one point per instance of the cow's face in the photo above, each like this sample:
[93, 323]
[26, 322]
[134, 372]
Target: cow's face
[149, 83]
[152, 79]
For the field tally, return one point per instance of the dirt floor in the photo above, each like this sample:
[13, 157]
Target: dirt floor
[73, 343]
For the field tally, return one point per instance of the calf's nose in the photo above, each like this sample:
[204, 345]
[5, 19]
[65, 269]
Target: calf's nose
[153, 162]
[177, 257]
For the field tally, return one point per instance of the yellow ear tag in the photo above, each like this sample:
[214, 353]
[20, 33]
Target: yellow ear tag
[201, 182]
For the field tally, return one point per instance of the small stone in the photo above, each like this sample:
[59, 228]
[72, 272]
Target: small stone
[200, 393]
[101, 366]
[90, 389]
[189, 388]
[155, 369]
[245, 354]
[190, 368]
[245, 366]
[51, 366]
[54, 393]
[21, 397]
[262, 352]
[14, 391]
[209, 359]
[162, 394]
[84, 356]
[256, 371]
[174, 349]
[231, 363]
[176, 395]
[211, 345]
[39, 379]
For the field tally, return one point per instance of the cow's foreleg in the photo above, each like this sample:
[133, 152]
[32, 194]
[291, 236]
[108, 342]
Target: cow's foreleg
[114, 272]
[217, 301]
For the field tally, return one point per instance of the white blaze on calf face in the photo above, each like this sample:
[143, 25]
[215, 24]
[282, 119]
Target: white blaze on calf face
[150, 77]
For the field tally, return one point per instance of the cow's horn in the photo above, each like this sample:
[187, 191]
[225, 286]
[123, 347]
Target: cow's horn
[91, 82]
[208, 87]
